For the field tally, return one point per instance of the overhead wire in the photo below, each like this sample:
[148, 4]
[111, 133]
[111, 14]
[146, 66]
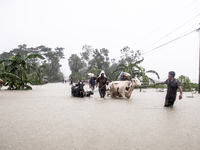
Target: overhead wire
[154, 49]
[166, 22]
[172, 32]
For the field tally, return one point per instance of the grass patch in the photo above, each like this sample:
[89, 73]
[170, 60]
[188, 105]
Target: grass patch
[189, 96]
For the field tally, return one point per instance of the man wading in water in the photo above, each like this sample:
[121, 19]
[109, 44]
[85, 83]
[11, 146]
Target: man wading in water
[172, 86]
[92, 83]
[102, 81]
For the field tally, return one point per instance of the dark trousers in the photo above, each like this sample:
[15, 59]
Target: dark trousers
[102, 93]
[169, 102]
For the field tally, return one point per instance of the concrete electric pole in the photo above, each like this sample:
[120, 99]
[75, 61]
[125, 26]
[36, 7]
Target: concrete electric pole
[198, 30]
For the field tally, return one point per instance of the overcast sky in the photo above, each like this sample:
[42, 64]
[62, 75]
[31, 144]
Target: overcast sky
[110, 24]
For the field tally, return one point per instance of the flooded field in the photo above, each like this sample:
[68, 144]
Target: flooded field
[48, 118]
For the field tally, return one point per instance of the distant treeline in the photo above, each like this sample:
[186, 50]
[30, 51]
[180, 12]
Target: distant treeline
[92, 60]
[49, 67]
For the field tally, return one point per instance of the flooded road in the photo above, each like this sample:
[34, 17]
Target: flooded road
[48, 118]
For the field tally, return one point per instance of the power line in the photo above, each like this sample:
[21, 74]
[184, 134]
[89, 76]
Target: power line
[172, 31]
[170, 41]
[166, 22]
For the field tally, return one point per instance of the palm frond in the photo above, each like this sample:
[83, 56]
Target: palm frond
[34, 56]
[118, 70]
[151, 80]
[9, 75]
[154, 72]
[117, 76]
[139, 61]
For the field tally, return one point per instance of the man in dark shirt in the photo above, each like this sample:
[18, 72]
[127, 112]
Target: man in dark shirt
[92, 83]
[172, 86]
[102, 81]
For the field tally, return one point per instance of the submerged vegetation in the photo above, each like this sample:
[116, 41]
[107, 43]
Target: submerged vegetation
[22, 67]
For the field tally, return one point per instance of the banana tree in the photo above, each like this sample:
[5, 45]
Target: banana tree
[143, 76]
[37, 76]
[131, 68]
[16, 70]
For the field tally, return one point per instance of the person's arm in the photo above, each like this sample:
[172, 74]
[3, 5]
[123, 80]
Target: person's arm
[97, 82]
[180, 89]
[89, 83]
[107, 81]
[160, 83]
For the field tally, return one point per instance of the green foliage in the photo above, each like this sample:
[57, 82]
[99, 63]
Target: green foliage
[31, 56]
[132, 68]
[77, 66]
[8, 75]
[91, 60]
[75, 63]
[15, 72]
[129, 56]
[185, 83]
[95, 60]
[35, 57]
[143, 76]
[194, 86]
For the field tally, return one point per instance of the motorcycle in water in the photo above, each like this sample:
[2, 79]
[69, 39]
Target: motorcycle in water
[78, 90]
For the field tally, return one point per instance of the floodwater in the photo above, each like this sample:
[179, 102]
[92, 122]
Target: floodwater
[48, 118]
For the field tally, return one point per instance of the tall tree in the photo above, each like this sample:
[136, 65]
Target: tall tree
[100, 59]
[129, 56]
[184, 82]
[77, 66]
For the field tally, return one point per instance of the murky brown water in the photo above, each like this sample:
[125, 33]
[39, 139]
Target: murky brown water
[48, 118]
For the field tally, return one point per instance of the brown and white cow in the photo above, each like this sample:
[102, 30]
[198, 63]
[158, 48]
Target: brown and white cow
[123, 88]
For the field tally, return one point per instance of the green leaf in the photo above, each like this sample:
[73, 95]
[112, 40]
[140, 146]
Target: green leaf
[34, 56]
[154, 72]
[9, 75]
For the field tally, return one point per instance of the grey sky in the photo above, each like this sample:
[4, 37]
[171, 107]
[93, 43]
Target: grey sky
[110, 24]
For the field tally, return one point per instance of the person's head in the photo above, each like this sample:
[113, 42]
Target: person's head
[102, 74]
[171, 74]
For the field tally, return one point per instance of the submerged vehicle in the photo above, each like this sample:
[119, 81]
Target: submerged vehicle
[78, 90]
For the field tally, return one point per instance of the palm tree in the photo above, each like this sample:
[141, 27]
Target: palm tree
[132, 68]
[142, 75]
[16, 70]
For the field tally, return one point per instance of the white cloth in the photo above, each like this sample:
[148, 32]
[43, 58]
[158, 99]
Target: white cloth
[101, 73]
[90, 75]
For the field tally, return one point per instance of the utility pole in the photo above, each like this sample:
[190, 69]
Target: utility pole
[198, 30]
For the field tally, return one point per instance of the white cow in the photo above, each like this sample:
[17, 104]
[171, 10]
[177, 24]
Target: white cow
[123, 88]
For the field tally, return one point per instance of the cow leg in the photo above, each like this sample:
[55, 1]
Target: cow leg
[123, 96]
[112, 94]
